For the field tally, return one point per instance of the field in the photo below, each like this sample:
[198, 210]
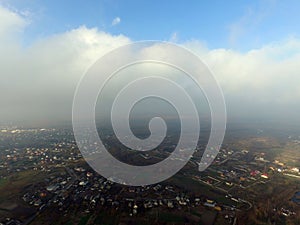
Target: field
[11, 189]
[290, 154]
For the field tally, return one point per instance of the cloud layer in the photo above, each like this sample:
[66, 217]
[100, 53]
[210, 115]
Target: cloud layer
[38, 82]
[116, 21]
[263, 81]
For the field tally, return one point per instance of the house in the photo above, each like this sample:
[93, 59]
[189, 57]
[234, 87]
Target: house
[211, 205]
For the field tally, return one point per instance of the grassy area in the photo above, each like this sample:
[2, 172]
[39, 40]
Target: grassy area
[170, 217]
[84, 220]
[106, 219]
[200, 189]
[12, 186]
[290, 154]
[186, 182]
[3, 182]
[196, 213]
[69, 223]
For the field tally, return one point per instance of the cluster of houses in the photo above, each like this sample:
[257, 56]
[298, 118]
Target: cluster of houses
[88, 190]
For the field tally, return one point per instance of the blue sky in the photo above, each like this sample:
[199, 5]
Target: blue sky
[239, 25]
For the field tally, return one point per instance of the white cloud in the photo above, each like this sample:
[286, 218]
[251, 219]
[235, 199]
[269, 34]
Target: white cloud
[116, 21]
[38, 82]
[265, 80]
[11, 24]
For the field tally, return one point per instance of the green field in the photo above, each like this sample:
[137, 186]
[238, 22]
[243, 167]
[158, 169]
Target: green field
[12, 187]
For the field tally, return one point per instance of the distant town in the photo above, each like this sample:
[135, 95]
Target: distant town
[45, 180]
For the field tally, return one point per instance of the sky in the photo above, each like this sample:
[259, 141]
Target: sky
[252, 47]
[241, 24]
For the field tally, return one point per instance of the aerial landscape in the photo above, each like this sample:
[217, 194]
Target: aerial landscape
[48, 182]
[100, 126]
